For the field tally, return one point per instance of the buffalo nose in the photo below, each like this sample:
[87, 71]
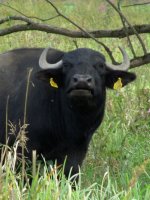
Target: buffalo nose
[80, 80]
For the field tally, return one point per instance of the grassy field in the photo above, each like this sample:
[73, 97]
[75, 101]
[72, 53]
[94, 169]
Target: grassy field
[118, 161]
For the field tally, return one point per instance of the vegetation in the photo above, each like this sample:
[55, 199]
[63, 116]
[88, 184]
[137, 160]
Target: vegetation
[118, 162]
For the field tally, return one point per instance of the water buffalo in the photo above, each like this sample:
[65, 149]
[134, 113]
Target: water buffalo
[66, 99]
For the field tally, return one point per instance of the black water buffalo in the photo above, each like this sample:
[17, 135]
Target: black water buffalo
[66, 99]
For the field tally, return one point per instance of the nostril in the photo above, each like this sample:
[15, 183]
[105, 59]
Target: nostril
[75, 79]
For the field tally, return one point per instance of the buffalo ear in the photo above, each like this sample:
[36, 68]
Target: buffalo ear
[116, 76]
[54, 74]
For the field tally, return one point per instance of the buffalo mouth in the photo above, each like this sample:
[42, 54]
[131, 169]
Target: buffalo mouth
[81, 99]
[81, 92]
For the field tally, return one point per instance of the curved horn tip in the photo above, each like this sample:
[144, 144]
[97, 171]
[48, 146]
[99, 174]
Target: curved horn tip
[124, 65]
[125, 57]
[42, 58]
[44, 64]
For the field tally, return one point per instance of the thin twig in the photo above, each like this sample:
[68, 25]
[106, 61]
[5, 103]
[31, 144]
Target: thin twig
[125, 28]
[137, 4]
[31, 17]
[76, 44]
[136, 33]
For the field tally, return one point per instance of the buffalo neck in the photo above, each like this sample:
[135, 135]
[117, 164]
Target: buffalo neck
[83, 121]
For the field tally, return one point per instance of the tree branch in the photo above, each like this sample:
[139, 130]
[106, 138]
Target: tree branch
[31, 25]
[141, 60]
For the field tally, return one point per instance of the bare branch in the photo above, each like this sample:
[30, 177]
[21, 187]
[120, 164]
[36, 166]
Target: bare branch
[84, 31]
[137, 4]
[120, 33]
[138, 61]
[138, 36]
[31, 25]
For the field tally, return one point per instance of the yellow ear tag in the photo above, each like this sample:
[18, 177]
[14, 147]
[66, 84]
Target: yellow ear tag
[53, 83]
[118, 84]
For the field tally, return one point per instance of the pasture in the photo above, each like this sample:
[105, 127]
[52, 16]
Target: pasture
[118, 162]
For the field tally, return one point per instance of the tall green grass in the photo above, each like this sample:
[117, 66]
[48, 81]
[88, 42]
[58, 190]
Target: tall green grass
[117, 165]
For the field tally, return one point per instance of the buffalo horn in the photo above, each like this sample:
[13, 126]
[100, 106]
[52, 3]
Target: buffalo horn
[45, 65]
[123, 66]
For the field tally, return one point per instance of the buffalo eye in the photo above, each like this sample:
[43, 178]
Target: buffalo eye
[100, 67]
[66, 66]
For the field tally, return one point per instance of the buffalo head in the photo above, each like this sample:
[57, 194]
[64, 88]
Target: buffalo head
[84, 75]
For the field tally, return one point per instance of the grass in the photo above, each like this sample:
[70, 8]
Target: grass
[118, 162]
